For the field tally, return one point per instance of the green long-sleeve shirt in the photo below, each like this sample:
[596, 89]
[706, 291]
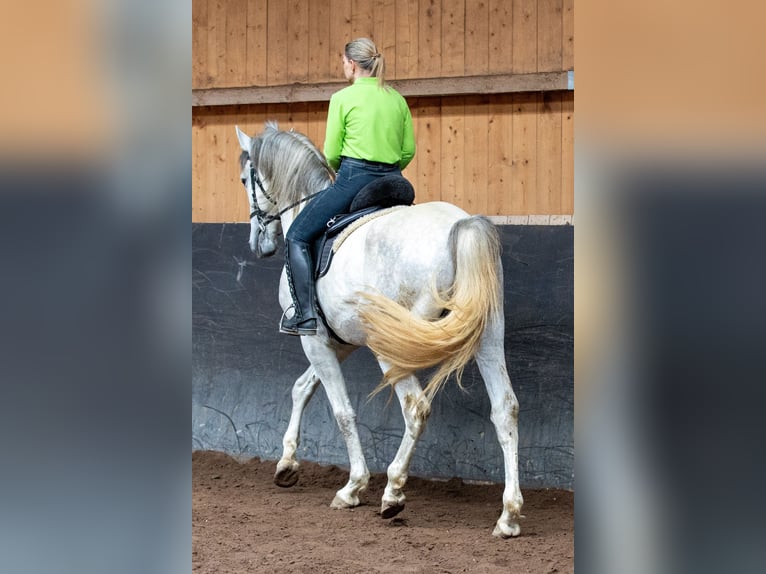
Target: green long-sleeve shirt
[368, 122]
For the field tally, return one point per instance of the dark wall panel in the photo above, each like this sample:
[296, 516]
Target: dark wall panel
[243, 369]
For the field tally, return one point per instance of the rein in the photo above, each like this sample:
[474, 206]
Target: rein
[264, 218]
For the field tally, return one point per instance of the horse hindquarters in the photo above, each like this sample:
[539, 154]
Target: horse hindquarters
[409, 342]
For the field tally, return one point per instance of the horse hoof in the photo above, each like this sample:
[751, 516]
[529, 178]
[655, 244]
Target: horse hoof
[286, 477]
[507, 530]
[390, 509]
[339, 502]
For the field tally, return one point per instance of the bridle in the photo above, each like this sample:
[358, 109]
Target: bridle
[264, 217]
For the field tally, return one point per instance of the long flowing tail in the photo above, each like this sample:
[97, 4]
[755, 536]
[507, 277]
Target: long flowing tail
[409, 343]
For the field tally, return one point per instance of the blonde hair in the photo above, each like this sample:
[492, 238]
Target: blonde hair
[364, 52]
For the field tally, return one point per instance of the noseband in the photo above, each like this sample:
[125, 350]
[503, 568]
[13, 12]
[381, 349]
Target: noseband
[264, 217]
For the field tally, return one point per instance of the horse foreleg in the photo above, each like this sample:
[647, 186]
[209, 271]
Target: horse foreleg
[327, 366]
[415, 410]
[505, 417]
[287, 467]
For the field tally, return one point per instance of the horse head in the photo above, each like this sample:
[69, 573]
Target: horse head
[264, 226]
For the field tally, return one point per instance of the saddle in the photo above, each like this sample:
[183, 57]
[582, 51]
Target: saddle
[382, 193]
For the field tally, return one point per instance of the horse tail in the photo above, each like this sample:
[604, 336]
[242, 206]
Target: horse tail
[408, 342]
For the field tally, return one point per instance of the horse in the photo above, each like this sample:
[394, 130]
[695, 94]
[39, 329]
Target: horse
[420, 286]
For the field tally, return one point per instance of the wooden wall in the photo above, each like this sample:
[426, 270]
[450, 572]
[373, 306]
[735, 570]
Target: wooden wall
[497, 154]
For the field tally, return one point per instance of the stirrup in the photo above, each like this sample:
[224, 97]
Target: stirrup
[293, 327]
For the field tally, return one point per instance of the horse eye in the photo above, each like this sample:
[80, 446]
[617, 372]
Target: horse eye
[244, 181]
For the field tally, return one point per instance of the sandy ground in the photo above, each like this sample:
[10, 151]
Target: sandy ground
[243, 523]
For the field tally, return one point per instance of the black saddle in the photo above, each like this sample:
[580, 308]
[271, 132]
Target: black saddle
[383, 192]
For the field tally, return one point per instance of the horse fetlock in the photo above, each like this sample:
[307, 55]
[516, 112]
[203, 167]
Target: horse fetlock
[344, 500]
[506, 529]
[508, 524]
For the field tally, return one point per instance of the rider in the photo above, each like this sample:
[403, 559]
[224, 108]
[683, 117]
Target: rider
[369, 135]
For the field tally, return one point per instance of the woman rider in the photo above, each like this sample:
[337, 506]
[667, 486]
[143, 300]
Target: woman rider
[369, 135]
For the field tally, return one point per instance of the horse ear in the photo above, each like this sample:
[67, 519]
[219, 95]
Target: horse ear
[245, 141]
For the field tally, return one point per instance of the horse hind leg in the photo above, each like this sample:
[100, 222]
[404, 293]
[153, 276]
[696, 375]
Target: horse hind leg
[505, 416]
[415, 410]
[287, 467]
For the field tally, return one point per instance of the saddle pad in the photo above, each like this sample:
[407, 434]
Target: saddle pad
[331, 244]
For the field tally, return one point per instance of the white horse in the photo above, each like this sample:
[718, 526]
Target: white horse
[420, 286]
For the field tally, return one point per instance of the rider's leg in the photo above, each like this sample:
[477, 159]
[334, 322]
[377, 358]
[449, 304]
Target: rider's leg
[309, 224]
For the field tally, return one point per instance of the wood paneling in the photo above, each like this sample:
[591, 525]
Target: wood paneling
[500, 57]
[500, 145]
[549, 35]
[567, 154]
[320, 43]
[567, 35]
[257, 44]
[406, 39]
[199, 43]
[476, 38]
[524, 36]
[495, 154]
[453, 38]
[484, 148]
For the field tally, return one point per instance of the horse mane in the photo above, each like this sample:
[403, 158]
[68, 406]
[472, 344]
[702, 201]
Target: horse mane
[290, 163]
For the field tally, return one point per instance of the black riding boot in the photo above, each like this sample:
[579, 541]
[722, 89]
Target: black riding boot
[300, 277]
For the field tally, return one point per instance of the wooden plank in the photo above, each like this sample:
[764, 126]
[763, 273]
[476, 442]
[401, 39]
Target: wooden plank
[340, 26]
[428, 137]
[425, 87]
[476, 37]
[317, 123]
[229, 194]
[524, 36]
[385, 34]
[476, 143]
[298, 41]
[549, 35]
[362, 23]
[567, 154]
[209, 198]
[500, 142]
[453, 38]
[257, 57]
[500, 36]
[236, 42]
[453, 158]
[322, 63]
[199, 165]
[199, 44]
[277, 46]
[406, 39]
[298, 117]
[429, 38]
[279, 113]
[216, 41]
[523, 162]
[567, 40]
[548, 189]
